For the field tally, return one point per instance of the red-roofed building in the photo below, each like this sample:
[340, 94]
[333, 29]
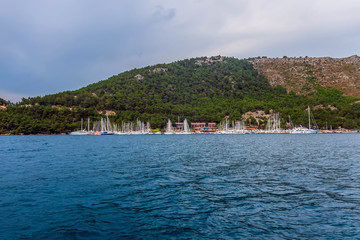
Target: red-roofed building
[211, 127]
[201, 127]
[198, 126]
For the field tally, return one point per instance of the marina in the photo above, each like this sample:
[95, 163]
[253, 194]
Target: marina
[273, 126]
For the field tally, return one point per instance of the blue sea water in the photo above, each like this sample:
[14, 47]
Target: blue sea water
[180, 187]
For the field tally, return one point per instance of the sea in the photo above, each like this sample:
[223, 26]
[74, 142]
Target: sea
[252, 186]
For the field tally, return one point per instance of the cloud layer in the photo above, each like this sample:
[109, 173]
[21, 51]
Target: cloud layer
[58, 45]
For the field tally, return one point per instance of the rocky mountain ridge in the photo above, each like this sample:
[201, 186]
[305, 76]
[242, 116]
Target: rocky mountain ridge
[302, 75]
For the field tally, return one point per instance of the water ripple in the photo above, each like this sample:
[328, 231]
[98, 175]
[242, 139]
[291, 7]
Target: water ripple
[189, 187]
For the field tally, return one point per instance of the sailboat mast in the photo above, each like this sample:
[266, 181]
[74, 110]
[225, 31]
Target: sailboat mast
[309, 117]
[107, 124]
[289, 122]
[102, 125]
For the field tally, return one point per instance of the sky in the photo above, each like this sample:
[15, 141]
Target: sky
[50, 46]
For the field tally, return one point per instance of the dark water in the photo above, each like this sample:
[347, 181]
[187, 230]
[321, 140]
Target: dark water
[188, 187]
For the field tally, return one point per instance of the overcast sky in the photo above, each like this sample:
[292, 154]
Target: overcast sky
[48, 46]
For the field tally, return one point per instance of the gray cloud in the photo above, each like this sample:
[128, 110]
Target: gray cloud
[162, 13]
[52, 46]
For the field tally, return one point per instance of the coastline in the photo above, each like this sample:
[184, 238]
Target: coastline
[342, 131]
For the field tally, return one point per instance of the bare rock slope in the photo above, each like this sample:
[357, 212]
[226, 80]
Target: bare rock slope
[302, 75]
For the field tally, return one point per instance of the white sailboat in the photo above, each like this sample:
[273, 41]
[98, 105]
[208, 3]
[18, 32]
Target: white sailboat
[169, 129]
[303, 130]
[186, 129]
[105, 127]
[81, 131]
[224, 128]
[274, 124]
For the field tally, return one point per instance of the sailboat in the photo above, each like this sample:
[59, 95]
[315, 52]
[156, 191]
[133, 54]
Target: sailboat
[303, 130]
[81, 131]
[105, 127]
[273, 124]
[169, 129]
[186, 129]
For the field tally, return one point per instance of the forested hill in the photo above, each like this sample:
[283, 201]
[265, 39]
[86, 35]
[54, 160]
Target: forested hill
[177, 88]
[199, 89]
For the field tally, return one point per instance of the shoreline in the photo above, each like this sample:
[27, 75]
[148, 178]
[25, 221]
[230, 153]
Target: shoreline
[205, 133]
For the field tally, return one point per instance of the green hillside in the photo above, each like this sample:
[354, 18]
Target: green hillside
[199, 89]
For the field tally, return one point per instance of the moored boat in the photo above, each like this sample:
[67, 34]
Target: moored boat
[81, 131]
[303, 130]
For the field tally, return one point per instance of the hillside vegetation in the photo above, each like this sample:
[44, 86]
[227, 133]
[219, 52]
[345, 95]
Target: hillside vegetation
[3, 102]
[199, 89]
